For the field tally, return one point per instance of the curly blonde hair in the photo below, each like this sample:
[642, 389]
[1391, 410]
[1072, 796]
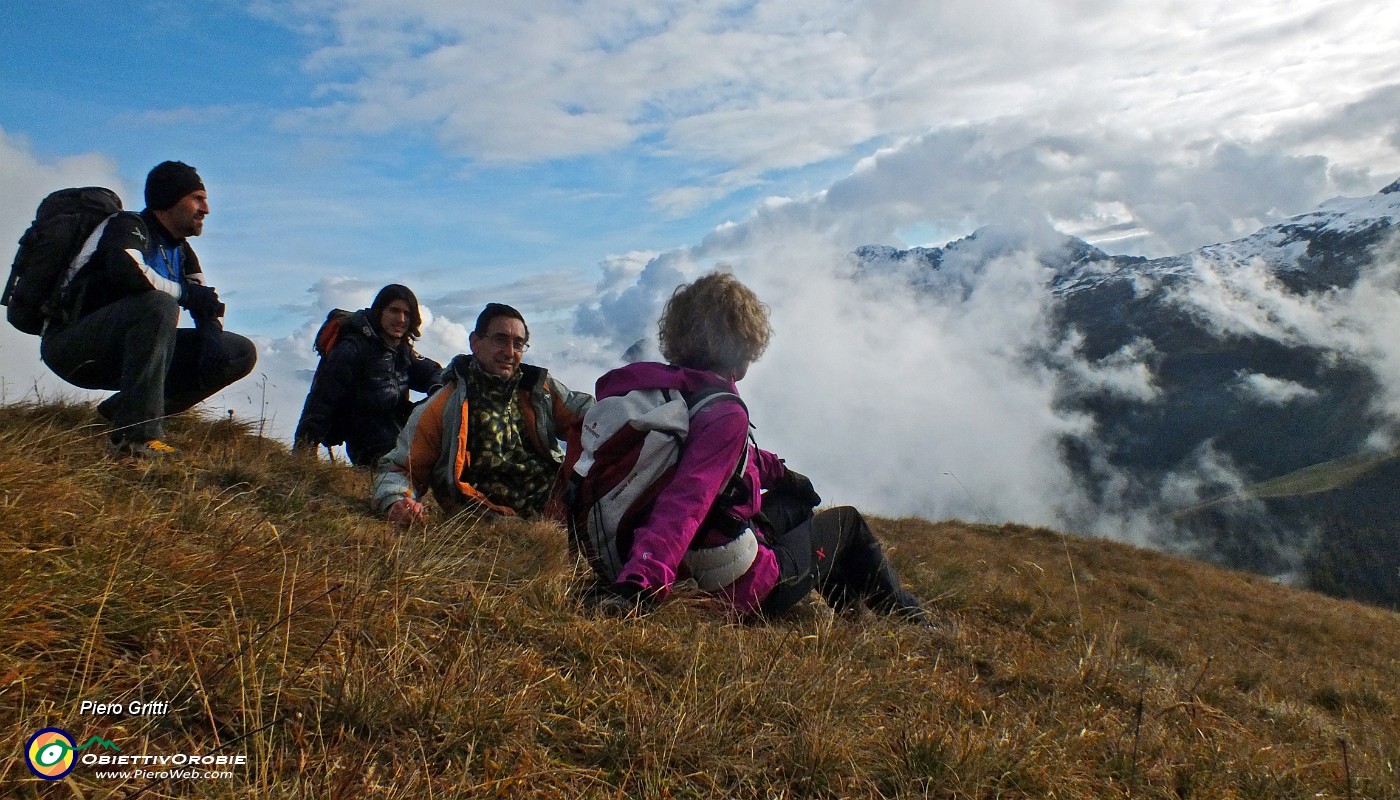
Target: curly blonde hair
[715, 323]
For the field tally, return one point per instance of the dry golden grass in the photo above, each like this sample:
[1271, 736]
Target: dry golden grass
[250, 589]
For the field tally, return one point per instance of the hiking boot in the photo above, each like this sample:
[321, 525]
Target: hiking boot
[144, 448]
[904, 606]
[616, 600]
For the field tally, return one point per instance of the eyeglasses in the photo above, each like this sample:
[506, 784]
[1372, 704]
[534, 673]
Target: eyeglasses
[503, 341]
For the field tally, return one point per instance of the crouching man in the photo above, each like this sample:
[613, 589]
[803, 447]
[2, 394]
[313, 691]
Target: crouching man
[488, 440]
[119, 328]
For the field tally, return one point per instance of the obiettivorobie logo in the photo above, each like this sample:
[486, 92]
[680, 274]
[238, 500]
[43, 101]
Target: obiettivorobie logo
[50, 753]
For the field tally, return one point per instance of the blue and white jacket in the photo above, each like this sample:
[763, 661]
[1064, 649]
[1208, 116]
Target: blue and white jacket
[127, 254]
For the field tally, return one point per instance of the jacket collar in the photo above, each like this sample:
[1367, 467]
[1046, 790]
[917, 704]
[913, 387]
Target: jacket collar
[530, 375]
[158, 230]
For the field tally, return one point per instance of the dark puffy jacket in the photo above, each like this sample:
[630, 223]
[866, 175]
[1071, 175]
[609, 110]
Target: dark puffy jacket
[359, 395]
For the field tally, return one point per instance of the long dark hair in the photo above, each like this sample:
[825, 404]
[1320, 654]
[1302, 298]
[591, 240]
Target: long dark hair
[387, 295]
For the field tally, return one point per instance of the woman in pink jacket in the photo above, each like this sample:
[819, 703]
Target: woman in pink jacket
[711, 331]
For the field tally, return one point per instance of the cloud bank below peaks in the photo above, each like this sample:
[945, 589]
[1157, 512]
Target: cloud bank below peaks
[904, 402]
[944, 394]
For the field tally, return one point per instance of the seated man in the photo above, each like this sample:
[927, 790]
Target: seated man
[117, 327]
[489, 438]
[360, 393]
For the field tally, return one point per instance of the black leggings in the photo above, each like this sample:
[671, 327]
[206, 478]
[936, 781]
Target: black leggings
[836, 553]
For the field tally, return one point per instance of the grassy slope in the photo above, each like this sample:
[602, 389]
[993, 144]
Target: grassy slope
[250, 589]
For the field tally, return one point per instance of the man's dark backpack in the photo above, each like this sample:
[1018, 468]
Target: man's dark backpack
[61, 226]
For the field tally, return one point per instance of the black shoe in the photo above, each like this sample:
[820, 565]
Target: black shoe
[616, 600]
[905, 607]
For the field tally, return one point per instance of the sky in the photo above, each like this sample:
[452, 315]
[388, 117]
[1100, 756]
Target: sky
[579, 159]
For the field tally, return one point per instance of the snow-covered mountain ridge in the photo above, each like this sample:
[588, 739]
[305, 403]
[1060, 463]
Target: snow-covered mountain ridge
[1258, 357]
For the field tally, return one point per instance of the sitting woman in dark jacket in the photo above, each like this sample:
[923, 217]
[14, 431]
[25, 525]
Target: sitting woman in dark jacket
[359, 395]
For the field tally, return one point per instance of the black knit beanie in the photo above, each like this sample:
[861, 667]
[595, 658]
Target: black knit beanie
[168, 183]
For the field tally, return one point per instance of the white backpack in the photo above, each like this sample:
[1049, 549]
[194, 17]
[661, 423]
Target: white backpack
[631, 444]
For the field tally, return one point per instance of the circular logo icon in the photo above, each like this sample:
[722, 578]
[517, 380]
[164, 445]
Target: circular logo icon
[50, 753]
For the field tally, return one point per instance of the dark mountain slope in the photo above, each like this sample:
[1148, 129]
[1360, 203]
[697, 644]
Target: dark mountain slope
[1266, 356]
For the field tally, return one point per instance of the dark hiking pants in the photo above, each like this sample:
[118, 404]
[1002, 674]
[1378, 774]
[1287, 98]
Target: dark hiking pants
[133, 346]
[835, 553]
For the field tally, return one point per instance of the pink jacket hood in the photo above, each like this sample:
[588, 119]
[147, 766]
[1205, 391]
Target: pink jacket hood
[653, 375]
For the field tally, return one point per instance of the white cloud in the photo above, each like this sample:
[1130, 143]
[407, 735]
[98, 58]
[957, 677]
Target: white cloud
[1090, 182]
[903, 402]
[1271, 390]
[341, 291]
[753, 88]
[626, 310]
[1122, 374]
[906, 403]
[1248, 299]
[541, 293]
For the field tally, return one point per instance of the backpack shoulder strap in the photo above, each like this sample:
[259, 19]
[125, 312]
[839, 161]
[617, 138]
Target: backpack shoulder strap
[733, 491]
[698, 400]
